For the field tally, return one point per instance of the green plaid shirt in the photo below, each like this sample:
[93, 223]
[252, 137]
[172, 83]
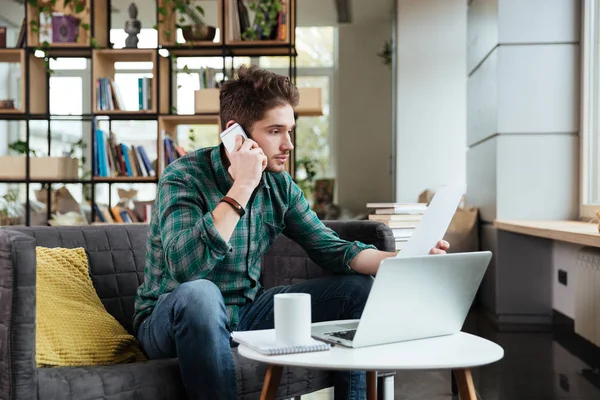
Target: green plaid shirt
[184, 245]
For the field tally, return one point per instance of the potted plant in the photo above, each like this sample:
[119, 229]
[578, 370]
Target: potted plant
[185, 11]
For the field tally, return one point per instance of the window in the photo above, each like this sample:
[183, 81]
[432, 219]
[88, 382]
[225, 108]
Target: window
[315, 68]
[590, 135]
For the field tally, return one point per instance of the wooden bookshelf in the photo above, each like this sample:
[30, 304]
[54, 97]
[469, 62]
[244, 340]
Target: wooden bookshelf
[92, 42]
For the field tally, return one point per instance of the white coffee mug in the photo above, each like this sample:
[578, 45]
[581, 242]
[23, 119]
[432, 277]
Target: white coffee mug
[292, 319]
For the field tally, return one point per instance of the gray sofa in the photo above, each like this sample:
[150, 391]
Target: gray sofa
[116, 255]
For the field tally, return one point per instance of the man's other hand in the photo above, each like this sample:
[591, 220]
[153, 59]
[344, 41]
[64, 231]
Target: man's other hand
[440, 248]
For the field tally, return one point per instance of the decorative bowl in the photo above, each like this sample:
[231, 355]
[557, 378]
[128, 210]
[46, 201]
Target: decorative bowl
[192, 33]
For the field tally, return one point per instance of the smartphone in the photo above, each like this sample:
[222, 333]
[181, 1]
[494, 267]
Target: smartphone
[229, 134]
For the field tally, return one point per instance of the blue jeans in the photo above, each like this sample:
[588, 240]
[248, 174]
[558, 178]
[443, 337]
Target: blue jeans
[191, 323]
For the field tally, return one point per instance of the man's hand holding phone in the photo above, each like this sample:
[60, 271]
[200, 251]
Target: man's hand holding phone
[247, 163]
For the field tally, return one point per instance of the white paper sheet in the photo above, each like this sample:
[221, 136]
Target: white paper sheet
[434, 223]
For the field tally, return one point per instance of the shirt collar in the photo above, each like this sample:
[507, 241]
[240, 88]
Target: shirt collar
[218, 160]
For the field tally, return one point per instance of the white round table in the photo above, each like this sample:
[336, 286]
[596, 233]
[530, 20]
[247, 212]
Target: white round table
[457, 352]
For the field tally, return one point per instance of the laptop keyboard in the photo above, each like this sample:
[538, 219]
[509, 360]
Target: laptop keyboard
[347, 335]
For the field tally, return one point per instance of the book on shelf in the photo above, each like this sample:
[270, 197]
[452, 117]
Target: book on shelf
[172, 150]
[144, 93]
[120, 214]
[112, 159]
[207, 78]
[108, 95]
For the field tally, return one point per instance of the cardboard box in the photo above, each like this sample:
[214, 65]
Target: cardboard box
[311, 102]
[206, 101]
[41, 168]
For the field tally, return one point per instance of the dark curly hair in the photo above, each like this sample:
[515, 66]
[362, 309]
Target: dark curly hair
[246, 100]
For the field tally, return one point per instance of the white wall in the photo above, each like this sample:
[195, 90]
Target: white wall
[431, 99]
[363, 117]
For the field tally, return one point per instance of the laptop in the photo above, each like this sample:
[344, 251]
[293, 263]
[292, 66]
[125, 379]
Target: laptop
[413, 298]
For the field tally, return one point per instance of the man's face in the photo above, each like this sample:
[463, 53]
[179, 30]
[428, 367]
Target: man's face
[273, 135]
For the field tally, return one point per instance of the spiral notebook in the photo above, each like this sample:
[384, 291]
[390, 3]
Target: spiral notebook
[263, 341]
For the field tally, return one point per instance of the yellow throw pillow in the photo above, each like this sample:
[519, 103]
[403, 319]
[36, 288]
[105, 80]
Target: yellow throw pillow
[73, 327]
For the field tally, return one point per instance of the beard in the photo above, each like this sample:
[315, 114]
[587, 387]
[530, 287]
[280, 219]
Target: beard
[274, 165]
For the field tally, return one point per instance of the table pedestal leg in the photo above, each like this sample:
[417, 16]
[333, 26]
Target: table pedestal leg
[371, 385]
[271, 384]
[464, 381]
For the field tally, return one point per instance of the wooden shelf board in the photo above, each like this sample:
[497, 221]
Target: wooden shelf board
[125, 179]
[309, 113]
[205, 119]
[75, 51]
[195, 51]
[11, 55]
[125, 115]
[201, 43]
[11, 111]
[250, 51]
[130, 55]
[257, 43]
[577, 232]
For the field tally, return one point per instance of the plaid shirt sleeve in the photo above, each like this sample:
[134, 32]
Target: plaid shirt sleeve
[192, 244]
[321, 243]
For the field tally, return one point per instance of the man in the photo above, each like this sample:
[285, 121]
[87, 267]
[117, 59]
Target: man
[215, 215]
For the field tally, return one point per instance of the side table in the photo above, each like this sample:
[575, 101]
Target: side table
[459, 352]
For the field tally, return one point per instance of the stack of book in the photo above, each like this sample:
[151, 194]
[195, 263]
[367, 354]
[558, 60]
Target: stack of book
[402, 218]
[120, 214]
[112, 159]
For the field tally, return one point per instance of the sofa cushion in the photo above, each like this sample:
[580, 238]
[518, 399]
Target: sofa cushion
[73, 328]
[116, 260]
[160, 379]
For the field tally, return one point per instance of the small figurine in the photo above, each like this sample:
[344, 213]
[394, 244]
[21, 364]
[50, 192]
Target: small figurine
[132, 27]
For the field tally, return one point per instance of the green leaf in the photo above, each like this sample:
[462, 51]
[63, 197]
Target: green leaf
[79, 7]
[32, 3]
[186, 69]
[174, 109]
[34, 22]
[46, 45]
[179, 86]
[35, 29]
[162, 11]
[93, 43]
[66, 2]
[86, 26]
[181, 20]
[155, 27]
[46, 9]
[200, 10]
